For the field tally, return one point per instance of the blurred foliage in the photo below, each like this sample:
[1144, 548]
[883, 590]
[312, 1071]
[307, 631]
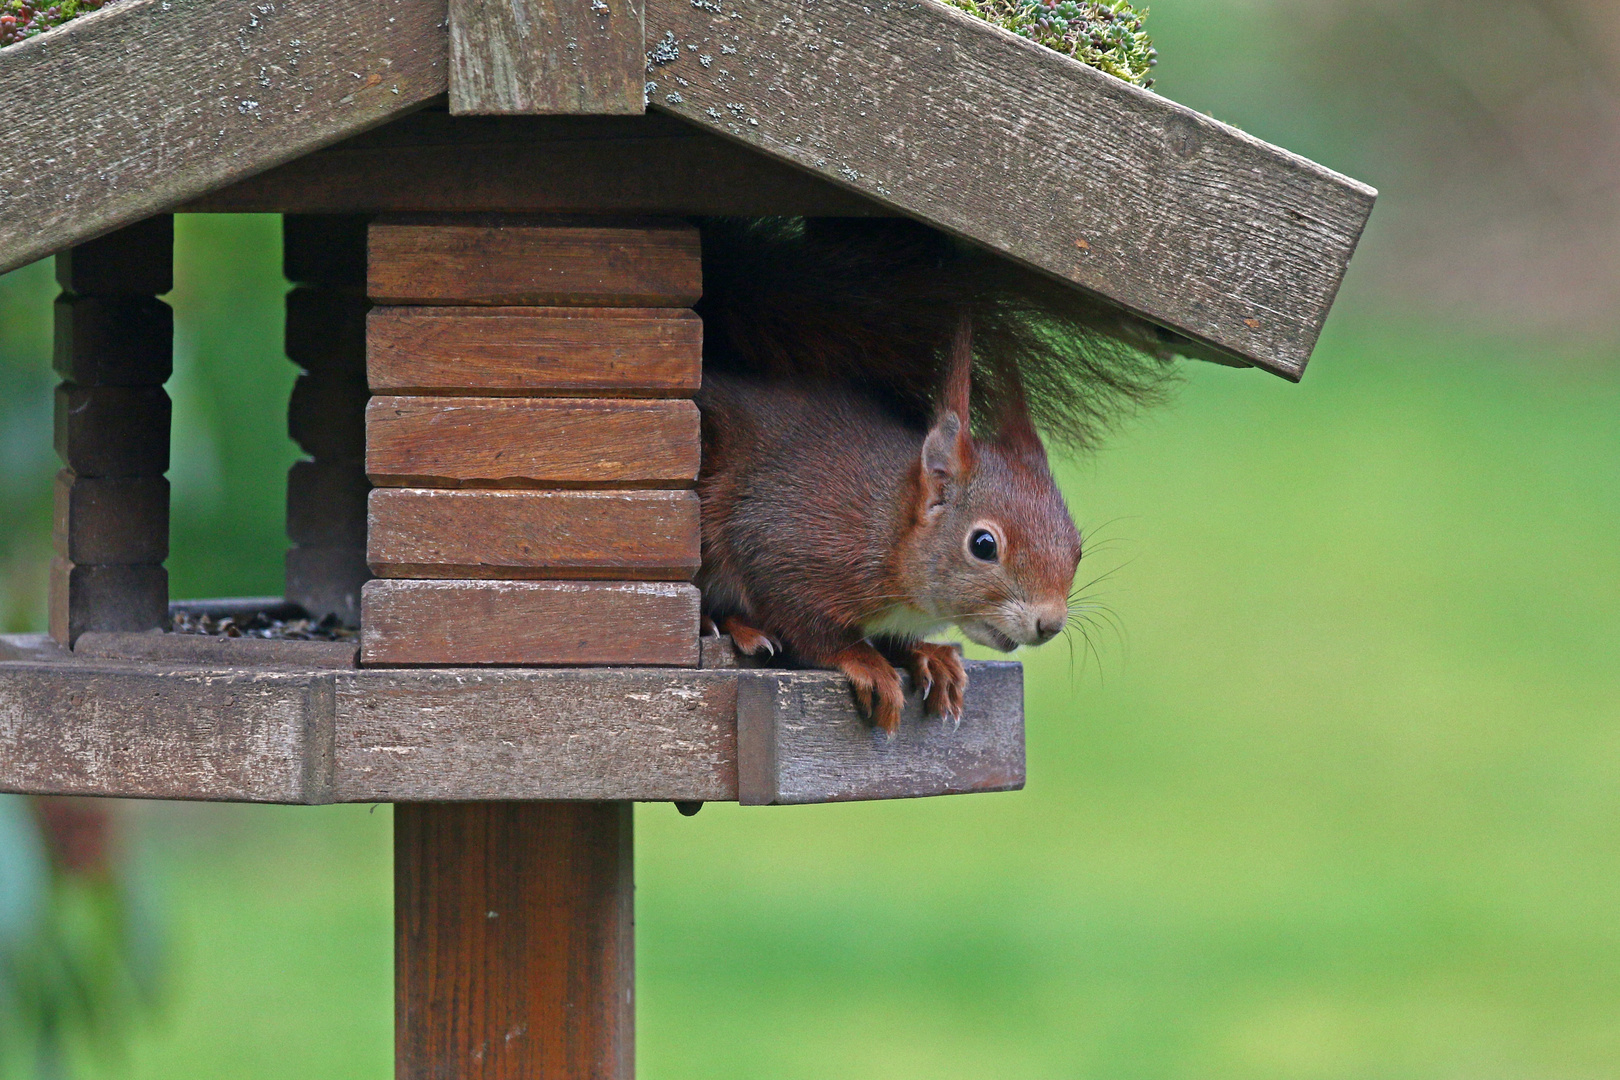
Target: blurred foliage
[79, 940]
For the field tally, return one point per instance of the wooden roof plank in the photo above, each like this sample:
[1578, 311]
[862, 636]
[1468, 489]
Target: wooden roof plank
[1182, 220]
[133, 109]
[546, 57]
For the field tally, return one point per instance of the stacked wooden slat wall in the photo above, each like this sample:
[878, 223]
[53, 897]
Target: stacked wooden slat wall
[533, 442]
[114, 351]
[325, 256]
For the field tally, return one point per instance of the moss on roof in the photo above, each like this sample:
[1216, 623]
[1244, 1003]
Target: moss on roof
[23, 19]
[1106, 34]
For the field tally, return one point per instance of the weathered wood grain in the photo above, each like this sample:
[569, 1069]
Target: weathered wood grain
[430, 161]
[528, 622]
[596, 352]
[552, 57]
[106, 597]
[242, 723]
[493, 733]
[932, 112]
[533, 442]
[110, 519]
[164, 732]
[218, 651]
[514, 941]
[113, 430]
[31, 647]
[799, 741]
[110, 119]
[137, 260]
[113, 340]
[621, 535]
[533, 262]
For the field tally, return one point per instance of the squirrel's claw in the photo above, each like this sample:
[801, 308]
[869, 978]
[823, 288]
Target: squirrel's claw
[876, 685]
[749, 641]
[938, 671]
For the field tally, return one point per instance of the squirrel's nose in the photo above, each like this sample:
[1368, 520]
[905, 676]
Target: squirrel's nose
[1047, 627]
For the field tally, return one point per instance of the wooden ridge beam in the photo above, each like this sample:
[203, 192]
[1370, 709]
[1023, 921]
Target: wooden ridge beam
[1178, 218]
[135, 108]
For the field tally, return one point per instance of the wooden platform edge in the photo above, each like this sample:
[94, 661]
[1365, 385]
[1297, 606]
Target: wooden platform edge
[81, 725]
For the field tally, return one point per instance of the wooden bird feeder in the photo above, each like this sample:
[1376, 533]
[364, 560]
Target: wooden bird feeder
[487, 222]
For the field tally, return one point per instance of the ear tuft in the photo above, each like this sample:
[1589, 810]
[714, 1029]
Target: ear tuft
[1015, 431]
[947, 454]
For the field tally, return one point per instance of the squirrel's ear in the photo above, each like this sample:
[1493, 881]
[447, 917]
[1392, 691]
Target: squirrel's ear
[947, 452]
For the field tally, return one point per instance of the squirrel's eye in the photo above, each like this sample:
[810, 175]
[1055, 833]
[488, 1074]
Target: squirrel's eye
[983, 545]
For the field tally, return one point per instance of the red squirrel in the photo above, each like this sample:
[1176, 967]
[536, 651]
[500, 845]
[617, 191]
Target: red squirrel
[848, 510]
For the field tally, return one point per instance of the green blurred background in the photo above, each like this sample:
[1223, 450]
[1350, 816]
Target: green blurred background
[1341, 800]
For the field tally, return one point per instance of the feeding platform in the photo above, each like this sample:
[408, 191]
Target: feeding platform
[487, 223]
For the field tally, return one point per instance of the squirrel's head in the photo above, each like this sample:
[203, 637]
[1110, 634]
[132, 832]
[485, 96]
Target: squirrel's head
[993, 548]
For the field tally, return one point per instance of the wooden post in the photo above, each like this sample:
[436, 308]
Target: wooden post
[513, 941]
[114, 351]
[325, 254]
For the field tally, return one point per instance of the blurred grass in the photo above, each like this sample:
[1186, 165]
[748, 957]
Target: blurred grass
[1340, 803]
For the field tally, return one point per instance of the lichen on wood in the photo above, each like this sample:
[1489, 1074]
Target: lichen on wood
[1105, 34]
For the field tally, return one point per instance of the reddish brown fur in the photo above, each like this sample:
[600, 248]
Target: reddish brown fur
[829, 524]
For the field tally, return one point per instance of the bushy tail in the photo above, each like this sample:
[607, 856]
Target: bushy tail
[877, 301]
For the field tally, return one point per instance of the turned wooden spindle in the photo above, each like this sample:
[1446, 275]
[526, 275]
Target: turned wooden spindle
[113, 350]
[325, 255]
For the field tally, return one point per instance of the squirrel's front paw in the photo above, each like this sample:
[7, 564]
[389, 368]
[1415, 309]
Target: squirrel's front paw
[940, 677]
[749, 641]
[875, 682]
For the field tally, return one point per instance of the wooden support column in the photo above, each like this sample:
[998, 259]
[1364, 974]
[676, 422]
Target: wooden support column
[513, 941]
[533, 440]
[114, 351]
[325, 254]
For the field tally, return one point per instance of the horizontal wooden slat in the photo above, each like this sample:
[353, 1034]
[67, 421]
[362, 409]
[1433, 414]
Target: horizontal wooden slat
[130, 110]
[163, 732]
[932, 112]
[528, 622]
[798, 741]
[430, 161]
[230, 727]
[531, 442]
[218, 651]
[622, 535]
[461, 734]
[599, 352]
[508, 261]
